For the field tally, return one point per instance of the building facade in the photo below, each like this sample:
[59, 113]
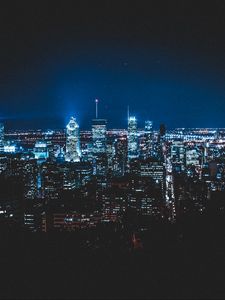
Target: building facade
[72, 141]
[132, 138]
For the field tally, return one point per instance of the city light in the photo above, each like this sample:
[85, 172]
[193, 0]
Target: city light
[112, 150]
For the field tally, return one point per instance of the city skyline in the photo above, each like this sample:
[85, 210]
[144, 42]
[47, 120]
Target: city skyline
[51, 124]
[112, 149]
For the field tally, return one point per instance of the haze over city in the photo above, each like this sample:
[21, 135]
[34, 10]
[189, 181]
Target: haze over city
[55, 60]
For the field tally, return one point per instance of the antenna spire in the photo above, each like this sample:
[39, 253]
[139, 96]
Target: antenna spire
[96, 108]
[128, 112]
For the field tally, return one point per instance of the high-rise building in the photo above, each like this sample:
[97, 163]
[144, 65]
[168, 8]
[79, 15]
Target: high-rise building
[132, 138]
[51, 181]
[192, 157]
[72, 141]
[30, 177]
[148, 138]
[70, 178]
[152, 168]
[10, 147]
[111, 152]
[99, 155]
[121, 156]
[41, 150]
[178, 152]
[1, 137]
[99, 135]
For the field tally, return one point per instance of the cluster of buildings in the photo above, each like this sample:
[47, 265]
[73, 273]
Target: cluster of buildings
[69, 179]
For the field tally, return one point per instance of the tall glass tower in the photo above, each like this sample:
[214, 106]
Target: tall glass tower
[132, 138]
[1, 137]
[99, 135]
[148, 137]
[72, 141]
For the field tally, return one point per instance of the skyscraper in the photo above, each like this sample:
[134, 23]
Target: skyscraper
[132, 138]
[72, 141]
[1, 137]
[40, 150]
[99, 154]
[178, 153]
[99, 135]
[148, 137]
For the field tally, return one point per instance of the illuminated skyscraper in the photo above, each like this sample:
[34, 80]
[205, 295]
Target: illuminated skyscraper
[132, 138]
[72, 141]
[41, 150]
[192, 157]
[148, 138]
[178, 154]
[1, 137]
[99, 155]
[121, 156]
[99, 135]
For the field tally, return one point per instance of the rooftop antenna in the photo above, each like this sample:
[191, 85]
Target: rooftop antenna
[96, 108]
[128, 112]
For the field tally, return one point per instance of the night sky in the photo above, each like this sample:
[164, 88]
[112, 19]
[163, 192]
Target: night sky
[165, 60]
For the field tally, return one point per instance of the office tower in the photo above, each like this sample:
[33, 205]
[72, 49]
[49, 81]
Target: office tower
[111, 152]
[72, 141]
[99, 135]
[132, 138]
[51, 181]
[41, 150]
[178, 153]
[9, 147]
[1, 137]
[121, 156]
[148, 138]
[99, 154]
[51, 148]
[30, 178]
[156, 145]
[84, 172]
[70, 178]
[100, 165]
[152, 168]
[192, 157]
[114, 204]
